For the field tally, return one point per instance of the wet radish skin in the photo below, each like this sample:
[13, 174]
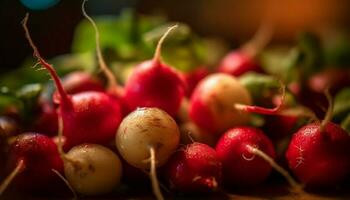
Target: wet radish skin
[319, 159]
[154, 84]
[194, 168]
[40, 156]
[240, 167]
[90, 117]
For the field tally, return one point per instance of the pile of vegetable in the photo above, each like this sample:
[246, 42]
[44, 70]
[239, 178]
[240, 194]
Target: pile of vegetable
[139, 103]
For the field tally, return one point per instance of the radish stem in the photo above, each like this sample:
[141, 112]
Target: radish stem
[156, 57]
[261, 110]
[19, 168]
[49, 67]
[153, 175]
[66, 182]
[60, 144]
[295, 185]
[112, 83]
[259, 40]
[329, 112]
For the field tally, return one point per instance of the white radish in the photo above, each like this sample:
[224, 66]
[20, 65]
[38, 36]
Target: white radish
[94, 169]
[212, 103]
[146, 138]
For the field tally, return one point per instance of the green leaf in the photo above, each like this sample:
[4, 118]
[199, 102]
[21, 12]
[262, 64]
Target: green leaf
[281, 62]
[29, 91]
[345, 124]
[74, 62]
[131, 38]
[296, 63]
[8, 99]
[337, 50]
[341, 105]
[23, 75]
[311, 52]
[261, 87]
[29, 95]
[63, 64]
[123, 35]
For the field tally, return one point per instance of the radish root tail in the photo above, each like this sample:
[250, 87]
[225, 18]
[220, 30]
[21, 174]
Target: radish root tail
[19, 168]
[47, 66]
[261, 110]
[75, 196]
[112, 83]
[60, 136]
[329, 112]
[295, 185]
[160, 42]
[153, 175]
[260, 39]
[60, 144]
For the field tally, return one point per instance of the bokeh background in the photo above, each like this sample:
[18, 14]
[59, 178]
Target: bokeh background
[232, 20]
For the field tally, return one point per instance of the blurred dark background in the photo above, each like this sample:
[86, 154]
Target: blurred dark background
[233, 20]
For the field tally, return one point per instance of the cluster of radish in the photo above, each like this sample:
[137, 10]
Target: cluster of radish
[150, 116]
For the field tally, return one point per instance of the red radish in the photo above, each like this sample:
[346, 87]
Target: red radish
[32, 157]
[155, 84]
[240, 61]
[332, 77]
[247, 157]
[319, 158]
[194, 168]
[241, 166]
[237, 63]
[79, 81]
[46, 122]
[211, 105]
[88, 117]
[319, 153]
[193, 77]
[279, 126]
[146, 138]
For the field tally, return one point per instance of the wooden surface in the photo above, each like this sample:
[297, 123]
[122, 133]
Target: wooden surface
[273, 191]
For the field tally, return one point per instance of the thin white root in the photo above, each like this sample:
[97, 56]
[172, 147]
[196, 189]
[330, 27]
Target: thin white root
[295, 185]
[160, 42]
[60, 135]
[75, 196]
[153, 175]
[45, 64]
[260, 39]
[112, 83]
[19, 168]
[60, 144]
[329, 112]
